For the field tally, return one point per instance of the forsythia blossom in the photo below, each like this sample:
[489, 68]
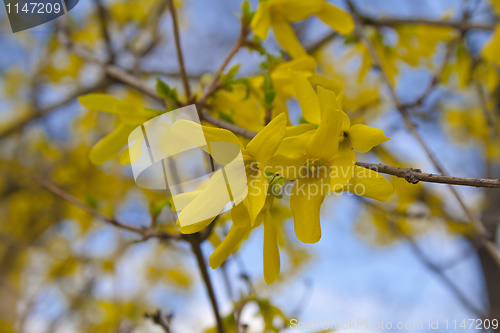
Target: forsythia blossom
[279, 14]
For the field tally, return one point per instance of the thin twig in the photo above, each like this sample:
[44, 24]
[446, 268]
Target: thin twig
[436, 78]
[103, 21]
[213, 85]
[110, 69]
[395, 21]
[46, 110]
[413, 176]
[178, 48]
[146, 233]
[159, 319]
[195, 240]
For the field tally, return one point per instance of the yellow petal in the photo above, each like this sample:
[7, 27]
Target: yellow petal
[336, 18]
[297, 10]
[305, 202]
[491, 51]
[257, 193]
[370, 184]
[286, 165]
[327, 83]
[286, 37]
[261, 21]
[342, 167]
[264, 145]
[298, 130]
[228, 245]
[110, 145]
[240, 216]
[195, 227]
[308, 99]
[295, 144]
[325, 141]
[100, 102]
[271, 251]
[363, 138]
[208, 203]
[496, 5]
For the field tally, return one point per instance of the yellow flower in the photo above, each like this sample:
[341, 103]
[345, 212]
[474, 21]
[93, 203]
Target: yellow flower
[279, 14]
[280, 76]
[131, 114]
[491, 50]
[323, 160]
[253, 210]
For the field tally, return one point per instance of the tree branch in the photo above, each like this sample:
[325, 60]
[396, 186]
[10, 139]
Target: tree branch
[213, 85]
[45, 111]
[195, 240]
[146, 233]
[178, 48]
[413, 176]
[395, 21]
[159, 319]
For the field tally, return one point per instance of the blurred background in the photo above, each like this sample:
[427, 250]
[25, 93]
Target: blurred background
[63, 270]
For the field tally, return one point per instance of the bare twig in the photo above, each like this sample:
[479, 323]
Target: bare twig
[178, 48]
[45, 111]
[195, 240]
[436, 78]
[413, 176]
[110, 69]
[214, 84]
[103, 21]
[146, 233]
[458, 25]
[313, 47]
[160, 319]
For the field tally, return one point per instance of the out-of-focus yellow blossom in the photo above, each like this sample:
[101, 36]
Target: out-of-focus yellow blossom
[306, 65]
[131, 114]
[416, 42]
[323, 160]
[491, 50]
[279, 14]
[135, 11]
[472, 122]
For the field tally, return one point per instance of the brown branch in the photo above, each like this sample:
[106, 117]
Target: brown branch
[395, 21]
[214, 84]
[103, 22]
[178, 48]
[195, 240]
[111, 70]
[146, 233]
[46, 110]
[159, 319]
[314, 46]
[436, 78]
[413, 176]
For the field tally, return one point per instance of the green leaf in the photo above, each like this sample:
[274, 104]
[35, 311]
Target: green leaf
[165, 91]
